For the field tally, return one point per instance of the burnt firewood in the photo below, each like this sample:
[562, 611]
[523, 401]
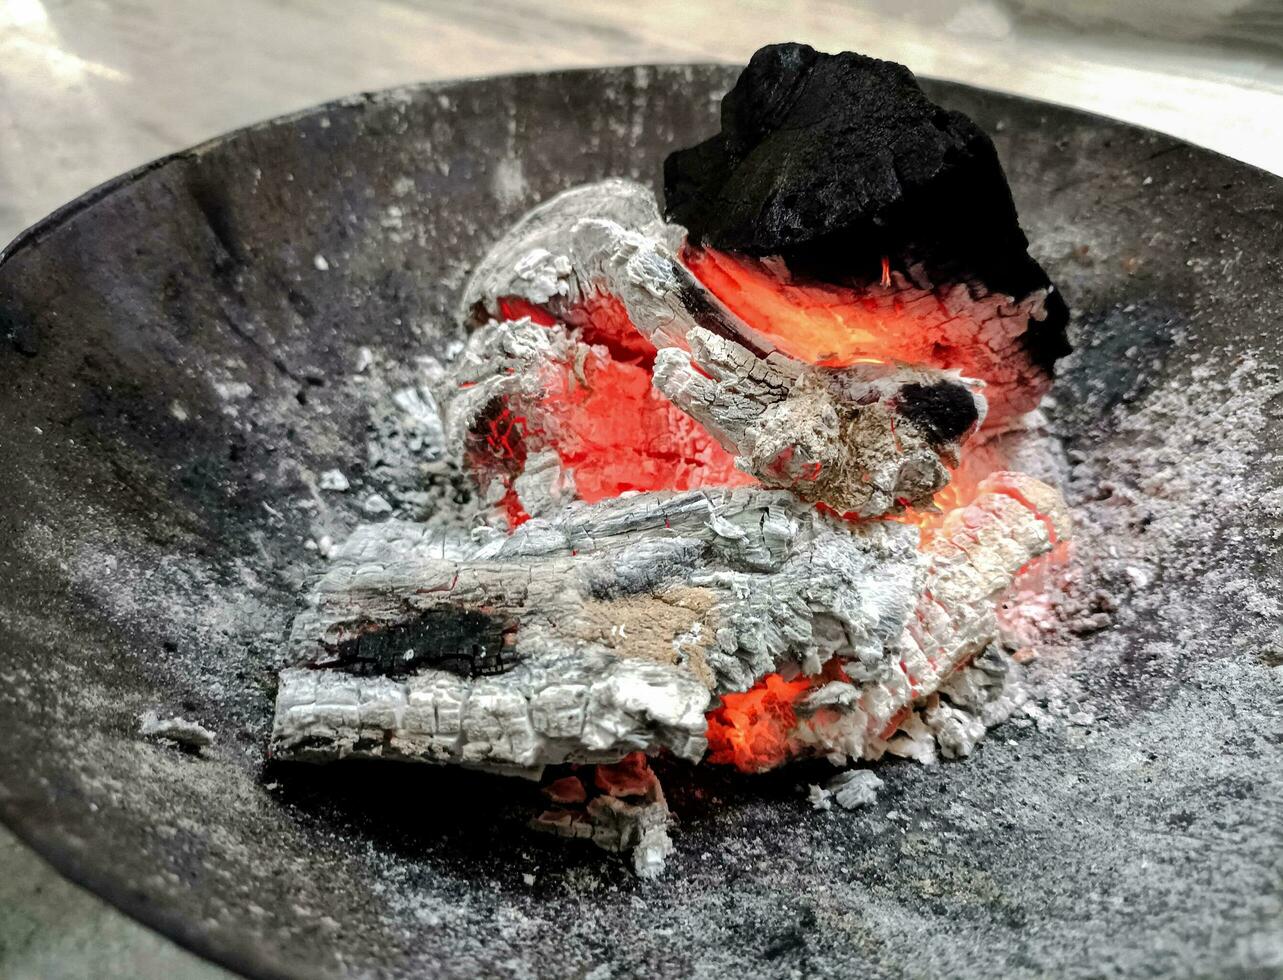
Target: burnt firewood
[892, 705]
[865, 439]
[632, 615]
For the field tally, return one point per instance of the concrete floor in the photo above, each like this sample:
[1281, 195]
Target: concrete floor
[94, 87]
[52, 930]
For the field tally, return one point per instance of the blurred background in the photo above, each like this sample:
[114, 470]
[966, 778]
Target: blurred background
[89, 88]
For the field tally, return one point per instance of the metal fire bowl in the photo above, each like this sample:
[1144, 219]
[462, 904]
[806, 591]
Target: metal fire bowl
[174, 364]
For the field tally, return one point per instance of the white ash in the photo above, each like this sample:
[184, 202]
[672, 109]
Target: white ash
[180, 731]
[972, 701]
[584, 238]
[333, 480]
[767, 578]
[544, 486]
[376, 504]
[819, 797]
[854, 788]
[1158, 523]
[499, 360]
[589, 708]
[605, 600]
[406, 454]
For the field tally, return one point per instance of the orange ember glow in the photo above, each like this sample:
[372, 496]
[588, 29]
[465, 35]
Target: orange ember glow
[750, 730]
[603, 320]
[838, 326]
[820, 324]
[514, 308]
[605, 420]
[949, 498]
[618, 433]
[499, 450]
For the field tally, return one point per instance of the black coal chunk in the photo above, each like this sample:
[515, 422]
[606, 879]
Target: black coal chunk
[462, 641]
[836, 161]
[944, 411]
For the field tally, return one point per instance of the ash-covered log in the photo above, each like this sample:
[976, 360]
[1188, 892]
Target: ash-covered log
[722, 587]
[840, 171]
[628, 617]
[860, 710]
[865, 439]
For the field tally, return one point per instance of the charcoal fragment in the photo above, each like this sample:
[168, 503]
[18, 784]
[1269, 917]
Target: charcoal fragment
[945, 411]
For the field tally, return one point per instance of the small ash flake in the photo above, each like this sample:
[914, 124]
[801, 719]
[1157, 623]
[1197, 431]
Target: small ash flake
[334, 480]
[376, 504]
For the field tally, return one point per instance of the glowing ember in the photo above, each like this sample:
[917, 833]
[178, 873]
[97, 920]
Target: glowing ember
[631, 776]
[604, 418]
[750, 729]
[890, 320]
[603, 320]
[499, 450]
[617, 433]
[514, 308]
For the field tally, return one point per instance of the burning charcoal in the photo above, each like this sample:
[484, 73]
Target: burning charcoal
[638, 824]
[610, 624]
[568, 789]
[684, 443]
[884, 221]
[854, 439]
[582, 709]
[740, 580]
[541, 419]
[864, 439]
[629, 777]
[864, 709]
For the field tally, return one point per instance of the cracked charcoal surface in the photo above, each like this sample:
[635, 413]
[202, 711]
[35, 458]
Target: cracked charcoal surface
[1126, 825]
[715, 589]
[835, 161]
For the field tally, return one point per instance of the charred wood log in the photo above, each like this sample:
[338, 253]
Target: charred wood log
[865, 439]
[623, 619]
